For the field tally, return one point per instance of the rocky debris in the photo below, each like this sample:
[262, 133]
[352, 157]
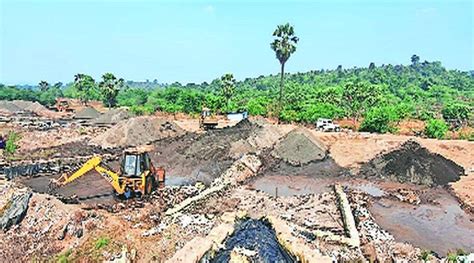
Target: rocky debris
[297, 148]
[137, 131]
[112, 116]
[14, 211]
[33, 140]
[376, 243]
[415, 164]
[57, 165]
[240, 171]
[88, 113]
[406, 195]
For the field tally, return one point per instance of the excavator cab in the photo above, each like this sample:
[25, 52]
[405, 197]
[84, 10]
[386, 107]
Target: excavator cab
[134, 164]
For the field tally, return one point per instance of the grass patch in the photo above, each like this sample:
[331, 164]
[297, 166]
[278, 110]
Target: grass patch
[101, 242]
[64, 257]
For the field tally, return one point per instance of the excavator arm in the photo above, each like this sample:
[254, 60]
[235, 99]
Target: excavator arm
[93, 163]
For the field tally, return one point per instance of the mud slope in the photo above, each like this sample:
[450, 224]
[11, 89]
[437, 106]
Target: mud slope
[201, 157]
[415, 164]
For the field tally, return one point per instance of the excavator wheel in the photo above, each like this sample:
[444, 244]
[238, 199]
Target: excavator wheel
[149, 184]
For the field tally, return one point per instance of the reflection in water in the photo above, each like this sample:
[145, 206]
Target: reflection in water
[440, 228]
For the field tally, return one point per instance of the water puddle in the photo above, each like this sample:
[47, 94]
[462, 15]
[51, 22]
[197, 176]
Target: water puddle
[299, 185]
[292, 185]
[178, 181]
[439, 227]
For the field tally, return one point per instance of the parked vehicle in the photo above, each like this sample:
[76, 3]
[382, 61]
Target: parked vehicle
[327, 125]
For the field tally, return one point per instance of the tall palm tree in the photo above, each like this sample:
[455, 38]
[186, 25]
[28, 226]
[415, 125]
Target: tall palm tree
[227, 87]
[284, 45]
[43, 85]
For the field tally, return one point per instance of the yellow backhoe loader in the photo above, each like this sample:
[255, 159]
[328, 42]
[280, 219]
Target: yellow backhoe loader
[137, 174]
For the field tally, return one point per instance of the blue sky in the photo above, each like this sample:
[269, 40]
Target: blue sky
[195, 41]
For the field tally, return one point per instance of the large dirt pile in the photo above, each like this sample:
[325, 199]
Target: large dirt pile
[87, 113]
[112, 116]
[137, 131]
[8, 108]
[415, 164]
[298, 148]
[203, 156]
[21, 106]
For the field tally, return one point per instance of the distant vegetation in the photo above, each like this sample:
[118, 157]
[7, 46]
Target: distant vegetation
[382, 94]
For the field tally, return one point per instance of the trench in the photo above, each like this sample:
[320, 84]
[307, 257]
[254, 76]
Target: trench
[254, 240]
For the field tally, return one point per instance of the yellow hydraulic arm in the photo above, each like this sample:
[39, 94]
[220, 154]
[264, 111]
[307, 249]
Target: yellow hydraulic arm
[93, 163]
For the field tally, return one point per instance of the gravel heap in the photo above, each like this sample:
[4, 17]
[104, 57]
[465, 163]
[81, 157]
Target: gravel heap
[297, 148]
[415, 164]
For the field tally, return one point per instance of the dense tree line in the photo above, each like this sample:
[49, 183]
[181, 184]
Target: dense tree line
[380, 95]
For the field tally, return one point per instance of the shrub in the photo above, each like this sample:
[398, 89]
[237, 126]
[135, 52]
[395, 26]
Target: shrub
[456, 112]
[311, 113]
[11, 144]
[379, 119]
[436, 128]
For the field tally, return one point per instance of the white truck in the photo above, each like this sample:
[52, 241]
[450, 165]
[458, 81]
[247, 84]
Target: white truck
[327, 125]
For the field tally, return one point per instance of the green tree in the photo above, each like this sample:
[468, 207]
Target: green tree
[415, 60]
[110, 87]
[360, 96]
[43, 85]
[284, 45]
[456, 112]
[84, 84]
[436, 128]
[227, 84]
[379, 119]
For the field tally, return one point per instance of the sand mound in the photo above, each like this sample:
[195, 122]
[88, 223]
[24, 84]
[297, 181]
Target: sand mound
[34, 107]
[8, 108]
[19, 106]
[299, 148]
[112, 116]
[137, 131]
[87, 113]
[413, 163]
